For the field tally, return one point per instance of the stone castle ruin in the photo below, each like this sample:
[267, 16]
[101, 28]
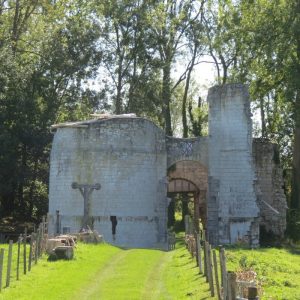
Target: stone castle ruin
[113, 174]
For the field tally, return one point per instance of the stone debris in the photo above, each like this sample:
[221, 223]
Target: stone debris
[90, 236]
[64, 252]
[61, 247]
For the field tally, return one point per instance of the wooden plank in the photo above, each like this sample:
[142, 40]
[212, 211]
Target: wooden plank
[9, 259]
[18, 257]
[223, 272]
[39, 240]
[30, 252]
[1, 266]
[216, 274]
[199, 255]
[24, 251]
[210, 272]
[36, 246]
[205, 260]
[231, 285]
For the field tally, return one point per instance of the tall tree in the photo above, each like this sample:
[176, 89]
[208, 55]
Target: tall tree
[47, 50]
[169, 22]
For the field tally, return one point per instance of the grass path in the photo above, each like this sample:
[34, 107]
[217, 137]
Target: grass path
[147, 275]
[110, 273]
[155, 285]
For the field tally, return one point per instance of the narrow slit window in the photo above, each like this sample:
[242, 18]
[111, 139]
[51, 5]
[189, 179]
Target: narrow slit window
[114, 223]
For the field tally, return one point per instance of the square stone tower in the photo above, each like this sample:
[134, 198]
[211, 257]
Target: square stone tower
[232, 210]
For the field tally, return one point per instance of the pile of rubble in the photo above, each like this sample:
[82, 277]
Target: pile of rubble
[62, 246]
[89, 236]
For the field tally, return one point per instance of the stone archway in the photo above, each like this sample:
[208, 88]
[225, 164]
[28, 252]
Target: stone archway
[190, 177]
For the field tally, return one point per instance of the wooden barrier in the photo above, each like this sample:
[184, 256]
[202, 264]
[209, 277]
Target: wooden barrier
[30, 253]
[36, 248]
[209, 265]
[1, 266]
[216, 274]
[9, 260]
[210, 271]
[24, 251]
[18, 256]
[199, 255]
[223, 272]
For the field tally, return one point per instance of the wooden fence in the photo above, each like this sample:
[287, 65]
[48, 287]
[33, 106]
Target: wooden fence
[212, 263]
[20, 256]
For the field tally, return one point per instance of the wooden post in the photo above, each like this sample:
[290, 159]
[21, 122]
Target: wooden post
[199, 258]
[38, 241]
[1, 266]
[210, 272]
[18, 257]
[205, 260]
[24, 251]
[41, 240]
[223, 272]
[43, 234]
[216, 274]
[231, 285]
[9, 263]
[252, 293]
[36, 247]
[30, 253]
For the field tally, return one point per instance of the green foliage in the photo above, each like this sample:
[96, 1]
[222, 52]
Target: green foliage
[293, 225]
[44, 62]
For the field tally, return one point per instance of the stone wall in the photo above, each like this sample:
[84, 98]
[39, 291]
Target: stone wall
[195, 149]
[231, 206]
[128, 158]
[271, 197]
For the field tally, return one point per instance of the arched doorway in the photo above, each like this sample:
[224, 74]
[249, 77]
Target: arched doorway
[187, 183]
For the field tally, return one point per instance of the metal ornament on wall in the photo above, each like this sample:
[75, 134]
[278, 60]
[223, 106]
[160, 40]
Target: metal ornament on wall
[186, 148]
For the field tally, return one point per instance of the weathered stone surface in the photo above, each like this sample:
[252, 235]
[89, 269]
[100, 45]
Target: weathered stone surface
[127, 156]
[271, 197]
[131, 157]
[231, 205]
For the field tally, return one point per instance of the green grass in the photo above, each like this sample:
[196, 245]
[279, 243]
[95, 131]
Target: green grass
[277, 269]
[107, 272]
[110, 273]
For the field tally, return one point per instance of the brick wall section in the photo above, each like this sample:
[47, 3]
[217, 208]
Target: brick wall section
[190, 170]
[128, 158]
[270, 186]
[231, 205]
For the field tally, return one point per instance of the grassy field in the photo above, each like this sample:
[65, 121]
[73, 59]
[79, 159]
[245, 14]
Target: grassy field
[277, 269]
[107, 272]
[110, 273]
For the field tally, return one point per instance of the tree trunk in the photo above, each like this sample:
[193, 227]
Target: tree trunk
[185, 95]
[118, 109]
[166, 97]
[22, 178]
[263, 118]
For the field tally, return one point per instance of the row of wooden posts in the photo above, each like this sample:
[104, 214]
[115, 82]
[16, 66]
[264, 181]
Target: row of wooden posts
[224, 287]
[37, 242]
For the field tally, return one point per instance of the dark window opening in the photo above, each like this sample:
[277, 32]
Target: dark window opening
[114, 223]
